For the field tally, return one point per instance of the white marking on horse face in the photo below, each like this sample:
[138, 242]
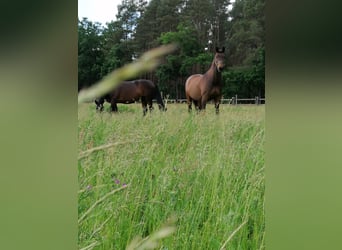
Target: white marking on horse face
[219, 60]
[219, 65]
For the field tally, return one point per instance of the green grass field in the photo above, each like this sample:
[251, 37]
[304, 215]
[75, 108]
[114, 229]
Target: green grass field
[201, 173]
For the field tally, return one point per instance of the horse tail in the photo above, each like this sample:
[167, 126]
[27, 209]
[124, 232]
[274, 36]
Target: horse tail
[159, 98]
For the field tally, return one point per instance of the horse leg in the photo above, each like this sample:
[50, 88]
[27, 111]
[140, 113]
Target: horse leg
[189, 101]
[114, 107]
[197, 106]
[203, 105]
[217, 105]
[150, 105]
[203, 102]
[144, 105]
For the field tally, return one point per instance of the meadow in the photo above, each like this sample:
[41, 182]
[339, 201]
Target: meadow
[191, 181]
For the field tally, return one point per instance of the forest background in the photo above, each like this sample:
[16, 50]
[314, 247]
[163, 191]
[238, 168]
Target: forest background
[197, 26]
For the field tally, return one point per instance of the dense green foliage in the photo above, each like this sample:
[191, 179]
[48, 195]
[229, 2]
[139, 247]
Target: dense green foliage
[206, 170]
[197, 26]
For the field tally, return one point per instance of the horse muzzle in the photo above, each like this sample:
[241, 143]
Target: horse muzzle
[220, 68]
[99, 107]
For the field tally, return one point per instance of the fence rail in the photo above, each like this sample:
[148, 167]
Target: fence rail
[234, 100]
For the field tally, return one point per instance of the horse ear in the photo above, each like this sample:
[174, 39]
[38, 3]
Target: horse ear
[218, 50]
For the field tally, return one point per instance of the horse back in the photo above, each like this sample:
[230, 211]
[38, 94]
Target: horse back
[125, 92]
[145, 87]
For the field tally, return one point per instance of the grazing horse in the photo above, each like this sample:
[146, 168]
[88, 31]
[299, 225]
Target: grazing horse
[202, 88]
[131, 91]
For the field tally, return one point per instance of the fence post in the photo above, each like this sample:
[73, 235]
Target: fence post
[236, 100]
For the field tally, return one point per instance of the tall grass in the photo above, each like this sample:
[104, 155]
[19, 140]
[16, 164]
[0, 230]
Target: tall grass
[207, 171]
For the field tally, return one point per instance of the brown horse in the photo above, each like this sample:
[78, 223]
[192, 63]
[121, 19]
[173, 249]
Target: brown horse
[202, 88]
[131, 91]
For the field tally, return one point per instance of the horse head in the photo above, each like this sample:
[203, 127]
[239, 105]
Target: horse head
[99, 103]
[219, 59]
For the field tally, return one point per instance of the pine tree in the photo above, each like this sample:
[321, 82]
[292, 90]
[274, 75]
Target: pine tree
[90, 53]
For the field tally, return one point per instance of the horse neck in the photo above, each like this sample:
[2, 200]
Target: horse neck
[213, 75]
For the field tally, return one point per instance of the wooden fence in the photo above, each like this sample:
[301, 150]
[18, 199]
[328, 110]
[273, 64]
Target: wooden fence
[234, 100]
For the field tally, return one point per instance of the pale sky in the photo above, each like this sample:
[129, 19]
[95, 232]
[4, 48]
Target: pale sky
[98, 10]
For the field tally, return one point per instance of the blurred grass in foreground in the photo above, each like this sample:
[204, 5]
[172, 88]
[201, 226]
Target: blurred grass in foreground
[207, 170]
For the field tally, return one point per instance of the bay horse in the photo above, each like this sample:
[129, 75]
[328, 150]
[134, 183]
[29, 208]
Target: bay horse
[202, 88]
[130, 92]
